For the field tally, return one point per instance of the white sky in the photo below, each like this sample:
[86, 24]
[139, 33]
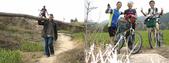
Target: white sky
[72, 8]
[60, 8]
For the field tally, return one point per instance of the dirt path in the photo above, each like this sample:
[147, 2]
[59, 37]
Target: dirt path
[63, 44]
[148, 58]
[157, 55]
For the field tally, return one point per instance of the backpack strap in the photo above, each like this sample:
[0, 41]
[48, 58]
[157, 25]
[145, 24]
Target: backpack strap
[149, 10]
[155, 10]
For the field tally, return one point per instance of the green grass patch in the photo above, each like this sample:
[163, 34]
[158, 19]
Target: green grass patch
[78, 37]
[31, 46]
[145, 37]
[8, 56]
[94, 37]
[99, 38]
[166, 36]
[104, 37]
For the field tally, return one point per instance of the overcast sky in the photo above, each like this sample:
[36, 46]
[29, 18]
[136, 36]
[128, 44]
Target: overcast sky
[60, 8]
[67, 9]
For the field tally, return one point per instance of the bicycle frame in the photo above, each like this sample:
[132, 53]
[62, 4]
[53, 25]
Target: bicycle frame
[130, 33]
[155, 31]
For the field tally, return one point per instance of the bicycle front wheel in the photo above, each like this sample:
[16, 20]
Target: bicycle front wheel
[119, 38]
[135, 42]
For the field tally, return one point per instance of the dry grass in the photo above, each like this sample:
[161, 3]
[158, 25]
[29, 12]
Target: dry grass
[31, 57]
[20, 34]
[75, 55]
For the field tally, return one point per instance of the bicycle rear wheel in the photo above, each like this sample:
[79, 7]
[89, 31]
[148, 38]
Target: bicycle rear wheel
[135, 42]
[159, 39]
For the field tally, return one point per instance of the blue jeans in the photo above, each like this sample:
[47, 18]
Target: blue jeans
[49, 46]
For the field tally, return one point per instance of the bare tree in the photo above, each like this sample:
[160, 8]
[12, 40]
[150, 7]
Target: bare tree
[88, 9]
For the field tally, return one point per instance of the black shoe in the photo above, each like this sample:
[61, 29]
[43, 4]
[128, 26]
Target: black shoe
[52, 54]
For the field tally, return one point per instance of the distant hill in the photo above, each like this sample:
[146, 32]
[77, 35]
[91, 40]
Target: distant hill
[165, 21]
[165, 18]
[141, 18]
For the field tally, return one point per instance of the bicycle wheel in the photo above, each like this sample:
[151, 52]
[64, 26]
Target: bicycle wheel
[159, 39]
[119, 41]
[135, 42]
[152, 42]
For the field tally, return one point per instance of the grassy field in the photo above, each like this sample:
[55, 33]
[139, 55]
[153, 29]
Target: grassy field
[8, 56]
[98, 38]
[17, 36]
[104, 37]
[31, 46]
[145, 37]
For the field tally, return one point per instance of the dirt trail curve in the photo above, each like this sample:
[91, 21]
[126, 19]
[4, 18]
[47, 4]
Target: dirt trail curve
[156, 55]
[63, 44]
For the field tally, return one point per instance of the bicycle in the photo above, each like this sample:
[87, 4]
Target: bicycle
[159, 38]
[134, 37]
[158, 35]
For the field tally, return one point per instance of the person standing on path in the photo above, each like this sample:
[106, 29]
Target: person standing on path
[113, 21]
[49, 33]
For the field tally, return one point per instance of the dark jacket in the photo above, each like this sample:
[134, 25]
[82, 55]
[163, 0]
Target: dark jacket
[45, 23]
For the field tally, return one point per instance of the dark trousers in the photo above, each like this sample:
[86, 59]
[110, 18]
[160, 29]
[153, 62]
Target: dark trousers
[43, 15]
[49, 46]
